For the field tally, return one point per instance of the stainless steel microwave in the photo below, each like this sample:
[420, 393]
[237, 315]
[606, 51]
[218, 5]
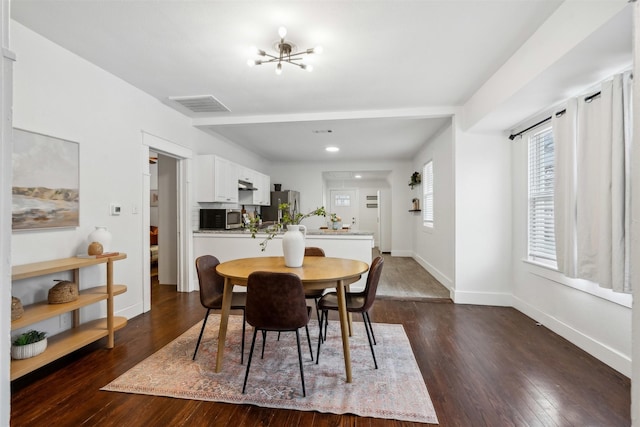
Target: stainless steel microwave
[220, 219]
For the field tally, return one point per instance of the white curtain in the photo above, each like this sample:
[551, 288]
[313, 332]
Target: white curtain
[592, 181]
[564, 137]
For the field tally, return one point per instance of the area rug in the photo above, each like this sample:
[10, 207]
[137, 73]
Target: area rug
[395, 390]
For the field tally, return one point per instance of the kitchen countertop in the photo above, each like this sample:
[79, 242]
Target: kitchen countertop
[314, 232]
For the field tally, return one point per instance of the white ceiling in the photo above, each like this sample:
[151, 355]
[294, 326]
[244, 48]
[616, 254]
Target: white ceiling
[380, 58]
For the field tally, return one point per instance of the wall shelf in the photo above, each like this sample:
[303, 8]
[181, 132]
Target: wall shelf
[415, 210]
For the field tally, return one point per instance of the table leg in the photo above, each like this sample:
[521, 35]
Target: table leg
[224, 321]
[344, 327]
[349, 316]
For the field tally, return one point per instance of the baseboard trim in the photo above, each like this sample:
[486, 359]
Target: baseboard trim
[600, 351]
[498, 299]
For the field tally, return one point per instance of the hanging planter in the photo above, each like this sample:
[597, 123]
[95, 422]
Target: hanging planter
[415, 179]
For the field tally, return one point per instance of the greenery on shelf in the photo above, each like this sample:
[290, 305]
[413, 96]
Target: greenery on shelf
[415, 179]
[287, 219]
[29, 337]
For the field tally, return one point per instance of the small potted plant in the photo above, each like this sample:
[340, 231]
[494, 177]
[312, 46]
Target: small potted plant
[29, 344]
[415, 179]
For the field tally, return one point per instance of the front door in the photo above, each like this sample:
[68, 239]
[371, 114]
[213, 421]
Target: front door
[344, 203]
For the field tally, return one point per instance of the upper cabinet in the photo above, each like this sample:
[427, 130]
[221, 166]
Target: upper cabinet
[262, 196]
[217, 179]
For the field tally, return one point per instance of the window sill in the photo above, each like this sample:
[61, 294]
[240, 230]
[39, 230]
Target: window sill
[549, 272]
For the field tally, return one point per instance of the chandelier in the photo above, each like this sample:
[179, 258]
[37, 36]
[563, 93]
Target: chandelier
[286, 53]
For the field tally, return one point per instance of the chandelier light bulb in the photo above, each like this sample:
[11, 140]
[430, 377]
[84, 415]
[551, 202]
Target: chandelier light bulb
[318, 50]
[309, 68]
[251, 63]
[279, 68]
[282, 31]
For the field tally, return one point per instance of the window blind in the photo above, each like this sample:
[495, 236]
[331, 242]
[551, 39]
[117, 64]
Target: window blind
[427, 195]
[541, 181]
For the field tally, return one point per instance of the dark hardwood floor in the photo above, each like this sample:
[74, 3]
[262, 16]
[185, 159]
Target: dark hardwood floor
[483, 366]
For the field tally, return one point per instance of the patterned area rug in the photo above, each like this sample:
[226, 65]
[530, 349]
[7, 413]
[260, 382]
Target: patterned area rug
[394, 391]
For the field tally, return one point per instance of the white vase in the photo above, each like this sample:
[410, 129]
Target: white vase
[26, 351]
[102, 236]
[293, 245]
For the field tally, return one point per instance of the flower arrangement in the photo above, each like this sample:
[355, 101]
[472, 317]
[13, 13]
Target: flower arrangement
[335, 218]
[287, 218]
[415, 179]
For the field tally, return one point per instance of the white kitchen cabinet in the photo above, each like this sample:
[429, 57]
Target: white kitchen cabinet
[246, 174]
[262, 196]
[216, 179]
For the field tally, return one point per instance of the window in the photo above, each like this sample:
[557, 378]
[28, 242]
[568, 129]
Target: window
[342, 200]
[542, 243]
[427, 194]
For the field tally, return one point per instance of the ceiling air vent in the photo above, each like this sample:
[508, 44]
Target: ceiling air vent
[200, 104]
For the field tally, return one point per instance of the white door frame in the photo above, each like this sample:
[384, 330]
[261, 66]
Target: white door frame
[183, 156]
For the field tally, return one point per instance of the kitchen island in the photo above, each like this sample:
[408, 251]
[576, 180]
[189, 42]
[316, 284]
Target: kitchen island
[233, 244]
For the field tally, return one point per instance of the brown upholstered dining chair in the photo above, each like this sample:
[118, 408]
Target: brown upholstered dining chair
[357, 302]
[275, 302]
[313, 294]
[211, 290]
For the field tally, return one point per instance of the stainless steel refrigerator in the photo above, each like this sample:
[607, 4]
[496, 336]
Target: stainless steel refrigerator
[270, 213]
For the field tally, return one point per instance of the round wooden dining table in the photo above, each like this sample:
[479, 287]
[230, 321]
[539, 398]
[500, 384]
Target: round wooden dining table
[315, 273]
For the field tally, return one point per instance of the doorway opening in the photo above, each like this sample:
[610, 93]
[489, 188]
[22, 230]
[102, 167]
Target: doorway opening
[362, 200]
[173, 215]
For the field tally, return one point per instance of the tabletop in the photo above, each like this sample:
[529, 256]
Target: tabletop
[314, 269]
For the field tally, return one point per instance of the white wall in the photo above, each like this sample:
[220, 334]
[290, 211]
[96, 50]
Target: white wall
[482, 218]
[167, 221]
[434, 247]
[595, 319]
[6, 95]
[307, 178]
[62, 95]
[635, 232]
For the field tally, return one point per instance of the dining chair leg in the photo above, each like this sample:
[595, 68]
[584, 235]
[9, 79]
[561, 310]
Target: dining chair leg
[364, 319]
[204, 322]
[319, 316]
[304, 392]
[306, 327]
[319, 338]
[242, 342]
[326, 323]
[253, 343]
[264, 339]
[370, 327]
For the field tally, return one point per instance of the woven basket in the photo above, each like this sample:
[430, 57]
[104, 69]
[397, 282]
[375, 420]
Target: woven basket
[16, 308]
[62, 292]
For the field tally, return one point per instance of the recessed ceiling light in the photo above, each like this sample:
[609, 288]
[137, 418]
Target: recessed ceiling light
[358, 176]
[332, 149]
[322, 131]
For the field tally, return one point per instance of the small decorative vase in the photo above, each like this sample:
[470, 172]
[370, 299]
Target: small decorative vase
[336, 225]
[293, 245]
[95, 248]
[29, 350]
[102, 236]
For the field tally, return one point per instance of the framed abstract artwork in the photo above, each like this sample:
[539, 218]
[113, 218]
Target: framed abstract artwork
[46, 182]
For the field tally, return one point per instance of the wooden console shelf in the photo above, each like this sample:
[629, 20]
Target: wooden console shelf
[80, 334]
